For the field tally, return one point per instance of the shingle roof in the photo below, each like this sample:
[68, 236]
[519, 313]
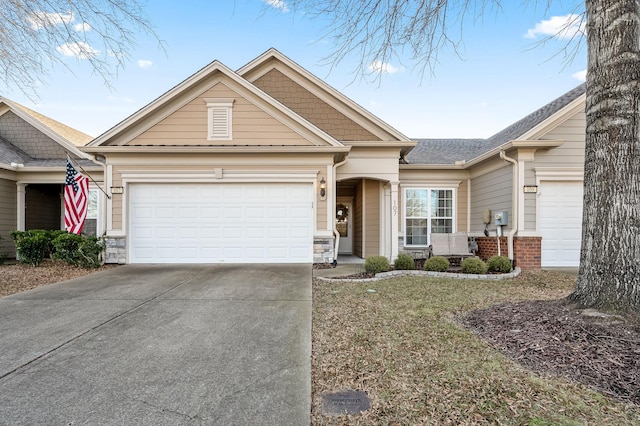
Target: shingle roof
[11, 154]
[448, 151]
[74, 136]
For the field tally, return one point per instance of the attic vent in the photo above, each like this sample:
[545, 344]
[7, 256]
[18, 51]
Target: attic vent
[219, 118]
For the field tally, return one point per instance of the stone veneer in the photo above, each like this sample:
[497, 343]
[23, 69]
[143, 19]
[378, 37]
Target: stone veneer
[116, 250]
[323, 250]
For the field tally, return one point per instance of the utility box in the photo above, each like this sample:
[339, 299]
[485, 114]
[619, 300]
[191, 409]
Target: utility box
[501, 218]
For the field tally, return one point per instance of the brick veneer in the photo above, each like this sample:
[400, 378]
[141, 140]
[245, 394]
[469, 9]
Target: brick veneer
[526, 250]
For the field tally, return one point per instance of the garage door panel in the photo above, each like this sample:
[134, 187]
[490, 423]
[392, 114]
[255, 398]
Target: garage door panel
[560, 222]
[239, 223]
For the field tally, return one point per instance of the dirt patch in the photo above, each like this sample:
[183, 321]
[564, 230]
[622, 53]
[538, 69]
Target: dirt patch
[17, 277]
[556, 337]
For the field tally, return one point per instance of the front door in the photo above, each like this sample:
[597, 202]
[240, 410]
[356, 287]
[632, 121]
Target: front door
[344, 225]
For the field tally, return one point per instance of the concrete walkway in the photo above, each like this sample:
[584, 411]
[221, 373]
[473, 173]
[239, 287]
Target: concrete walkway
[160, 345]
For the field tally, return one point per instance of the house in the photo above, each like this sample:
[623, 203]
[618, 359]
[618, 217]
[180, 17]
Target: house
[33, 152]
[268, 163]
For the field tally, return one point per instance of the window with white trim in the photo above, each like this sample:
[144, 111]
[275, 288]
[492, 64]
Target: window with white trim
[427, 211]
[219, 118]
[91, 222]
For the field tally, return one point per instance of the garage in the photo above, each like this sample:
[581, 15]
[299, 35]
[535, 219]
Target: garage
[560, 222]
[221, 223]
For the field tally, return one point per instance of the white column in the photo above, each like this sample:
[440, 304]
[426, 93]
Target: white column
[395, 211]
[21, 202]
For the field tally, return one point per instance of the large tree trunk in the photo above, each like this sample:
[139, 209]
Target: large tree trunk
[609, 275]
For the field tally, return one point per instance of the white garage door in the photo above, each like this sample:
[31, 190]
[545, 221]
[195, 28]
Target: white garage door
[215, 223]
[561, 223]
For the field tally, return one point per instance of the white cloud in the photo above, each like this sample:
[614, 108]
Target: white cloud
[144, 63]
[564, 27]
[39, 20]
[82, 28]
[79, 50]
[382, 67]
[580, 75]
[277, 4]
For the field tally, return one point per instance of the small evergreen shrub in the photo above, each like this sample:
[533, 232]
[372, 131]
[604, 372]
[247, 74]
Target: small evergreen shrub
[499, 264]
[78, 250]
[31, 246]
[437, 264]
[473, 265]
[404, 262]
[376, 264]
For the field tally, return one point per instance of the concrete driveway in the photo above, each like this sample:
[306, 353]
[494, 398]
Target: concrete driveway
[160, 345]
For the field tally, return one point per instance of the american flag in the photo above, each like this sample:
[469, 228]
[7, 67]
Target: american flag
[76, 190]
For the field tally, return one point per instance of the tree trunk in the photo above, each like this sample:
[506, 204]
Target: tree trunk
[609, 276]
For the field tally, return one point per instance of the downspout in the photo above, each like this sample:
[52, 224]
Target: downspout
[514, 198]
[333, 203]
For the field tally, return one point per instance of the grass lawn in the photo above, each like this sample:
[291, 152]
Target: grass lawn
[398, 340]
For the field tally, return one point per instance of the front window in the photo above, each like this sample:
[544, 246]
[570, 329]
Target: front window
[426, 211]
[91, 222]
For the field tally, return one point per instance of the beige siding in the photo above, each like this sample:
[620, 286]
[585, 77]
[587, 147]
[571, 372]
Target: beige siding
[462, 204]
[571, 153]
[371, 218]
[491, 191]
[530, 202]
[8, 220]
[309, 106]
[250, 124]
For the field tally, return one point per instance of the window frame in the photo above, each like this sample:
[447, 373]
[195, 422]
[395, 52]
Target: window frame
[430, 214]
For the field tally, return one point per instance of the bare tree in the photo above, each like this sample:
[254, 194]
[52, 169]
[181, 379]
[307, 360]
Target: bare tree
[36, 34]
[377, 31]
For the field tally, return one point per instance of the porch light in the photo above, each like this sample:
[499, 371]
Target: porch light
[323, 187]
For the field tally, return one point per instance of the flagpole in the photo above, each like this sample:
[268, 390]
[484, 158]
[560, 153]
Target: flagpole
[87, 174]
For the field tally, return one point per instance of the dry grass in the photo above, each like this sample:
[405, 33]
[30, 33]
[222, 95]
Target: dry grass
[396, 340]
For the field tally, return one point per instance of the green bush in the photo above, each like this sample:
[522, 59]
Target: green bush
[376, 264]
[499, 264]
[31, 246]
[437, 264]
[473, 265]
[78, 250]
[404, 262]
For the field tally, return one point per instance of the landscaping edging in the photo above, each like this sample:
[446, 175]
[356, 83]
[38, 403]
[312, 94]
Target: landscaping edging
[392, 274]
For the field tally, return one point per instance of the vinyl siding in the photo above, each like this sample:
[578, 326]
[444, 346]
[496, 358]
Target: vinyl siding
[530, 200]
[491, 191]
[250, 125]
[312, 108]
[571, 153]
[8, 220]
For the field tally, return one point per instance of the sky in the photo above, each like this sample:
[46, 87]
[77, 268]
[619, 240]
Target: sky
[502, 74]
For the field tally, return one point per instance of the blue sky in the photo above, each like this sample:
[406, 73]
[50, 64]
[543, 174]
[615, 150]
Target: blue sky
[503, 75]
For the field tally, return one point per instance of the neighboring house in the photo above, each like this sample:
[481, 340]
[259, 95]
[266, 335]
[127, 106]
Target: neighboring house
[254, 165]
[33, 151]
[270, 164]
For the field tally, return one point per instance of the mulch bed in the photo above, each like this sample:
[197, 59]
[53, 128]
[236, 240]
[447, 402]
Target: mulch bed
[557, 338]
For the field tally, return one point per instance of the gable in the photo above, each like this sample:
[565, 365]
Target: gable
[28, 139]
[312, 108]
[251, 125]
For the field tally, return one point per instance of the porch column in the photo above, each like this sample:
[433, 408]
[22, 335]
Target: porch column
[21, 203]
[395, 211]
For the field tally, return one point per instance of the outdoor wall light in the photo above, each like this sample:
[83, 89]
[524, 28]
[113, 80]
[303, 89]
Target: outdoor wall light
[323, 187]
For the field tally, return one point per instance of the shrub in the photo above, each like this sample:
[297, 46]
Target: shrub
[31, 246]
[436, 263]
[404, 262]
[78, 250]
[499, 264]
[473, 265]
[376, 264]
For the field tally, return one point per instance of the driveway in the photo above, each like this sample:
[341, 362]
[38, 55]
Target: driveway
[160, 345]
